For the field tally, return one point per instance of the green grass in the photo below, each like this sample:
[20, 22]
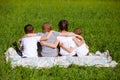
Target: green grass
[98, 19]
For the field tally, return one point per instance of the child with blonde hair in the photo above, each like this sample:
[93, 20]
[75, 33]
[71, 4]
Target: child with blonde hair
[48, 51]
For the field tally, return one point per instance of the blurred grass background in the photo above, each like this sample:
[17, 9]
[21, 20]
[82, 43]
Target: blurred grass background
[98, 19]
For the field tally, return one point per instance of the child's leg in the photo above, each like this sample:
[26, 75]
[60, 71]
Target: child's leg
[39, 49]
[16, 48]
[19, 52]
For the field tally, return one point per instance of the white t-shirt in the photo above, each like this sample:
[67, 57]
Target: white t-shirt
[30, 46]
[81, 50]
[68, 42]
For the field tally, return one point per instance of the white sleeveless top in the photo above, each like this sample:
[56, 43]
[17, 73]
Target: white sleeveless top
[81, 50]
[68, 42]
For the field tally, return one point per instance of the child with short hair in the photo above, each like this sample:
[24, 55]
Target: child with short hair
[48, 51]
[81, 48]
[29, 43]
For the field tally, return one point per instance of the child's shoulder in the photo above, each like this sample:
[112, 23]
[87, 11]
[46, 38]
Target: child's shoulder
[39, 34]
[56, 33]
[30, 35]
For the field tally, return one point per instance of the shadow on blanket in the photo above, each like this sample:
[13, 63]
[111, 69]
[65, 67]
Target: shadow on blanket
[98, 60]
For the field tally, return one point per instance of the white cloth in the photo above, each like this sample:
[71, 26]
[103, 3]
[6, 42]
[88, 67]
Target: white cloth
[30, 46]
[81, 50]
[101, 60]
[68, 42]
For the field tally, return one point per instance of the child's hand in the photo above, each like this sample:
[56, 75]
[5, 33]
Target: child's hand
[79, 37]
[74, 38]
[71, 49]
[87, 46]
[42, 42]
[19, 41]
[61, 44]
[52, 31]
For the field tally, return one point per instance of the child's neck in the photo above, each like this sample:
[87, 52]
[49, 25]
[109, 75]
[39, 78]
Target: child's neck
[64, 31]
[29, 34]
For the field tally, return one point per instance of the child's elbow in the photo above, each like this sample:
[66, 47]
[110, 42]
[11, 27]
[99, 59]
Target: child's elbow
[81, 43]
[70, 51]
[46, 38]
[54, 46]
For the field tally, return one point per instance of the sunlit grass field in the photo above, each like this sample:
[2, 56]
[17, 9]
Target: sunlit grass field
[98, 19]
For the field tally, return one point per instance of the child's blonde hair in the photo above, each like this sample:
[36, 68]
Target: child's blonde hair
[46, 27]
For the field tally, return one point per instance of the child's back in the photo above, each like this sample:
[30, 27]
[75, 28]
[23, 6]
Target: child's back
[48, 51]
[82, 50]
[30, 46]
[68, 42]
[68, 45]
[81, 47]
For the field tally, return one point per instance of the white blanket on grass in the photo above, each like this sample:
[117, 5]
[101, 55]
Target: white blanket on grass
[98, 60]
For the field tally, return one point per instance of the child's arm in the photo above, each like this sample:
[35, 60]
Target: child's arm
[21, 48]
[78, 42]
[67, 49]
[46, 37]
[19, 41]
[67, 34]
[79, 37]
[52, 45]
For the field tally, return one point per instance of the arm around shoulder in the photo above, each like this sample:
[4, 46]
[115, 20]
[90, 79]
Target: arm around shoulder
[78, 42]
[46, 37]
[52, 45]
[70, 49]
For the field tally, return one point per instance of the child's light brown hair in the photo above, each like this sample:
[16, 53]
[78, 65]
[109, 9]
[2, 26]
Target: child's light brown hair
[46, 27]
[77, 31]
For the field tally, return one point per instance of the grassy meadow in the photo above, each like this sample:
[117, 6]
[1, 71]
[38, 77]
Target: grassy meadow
[98, 19]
